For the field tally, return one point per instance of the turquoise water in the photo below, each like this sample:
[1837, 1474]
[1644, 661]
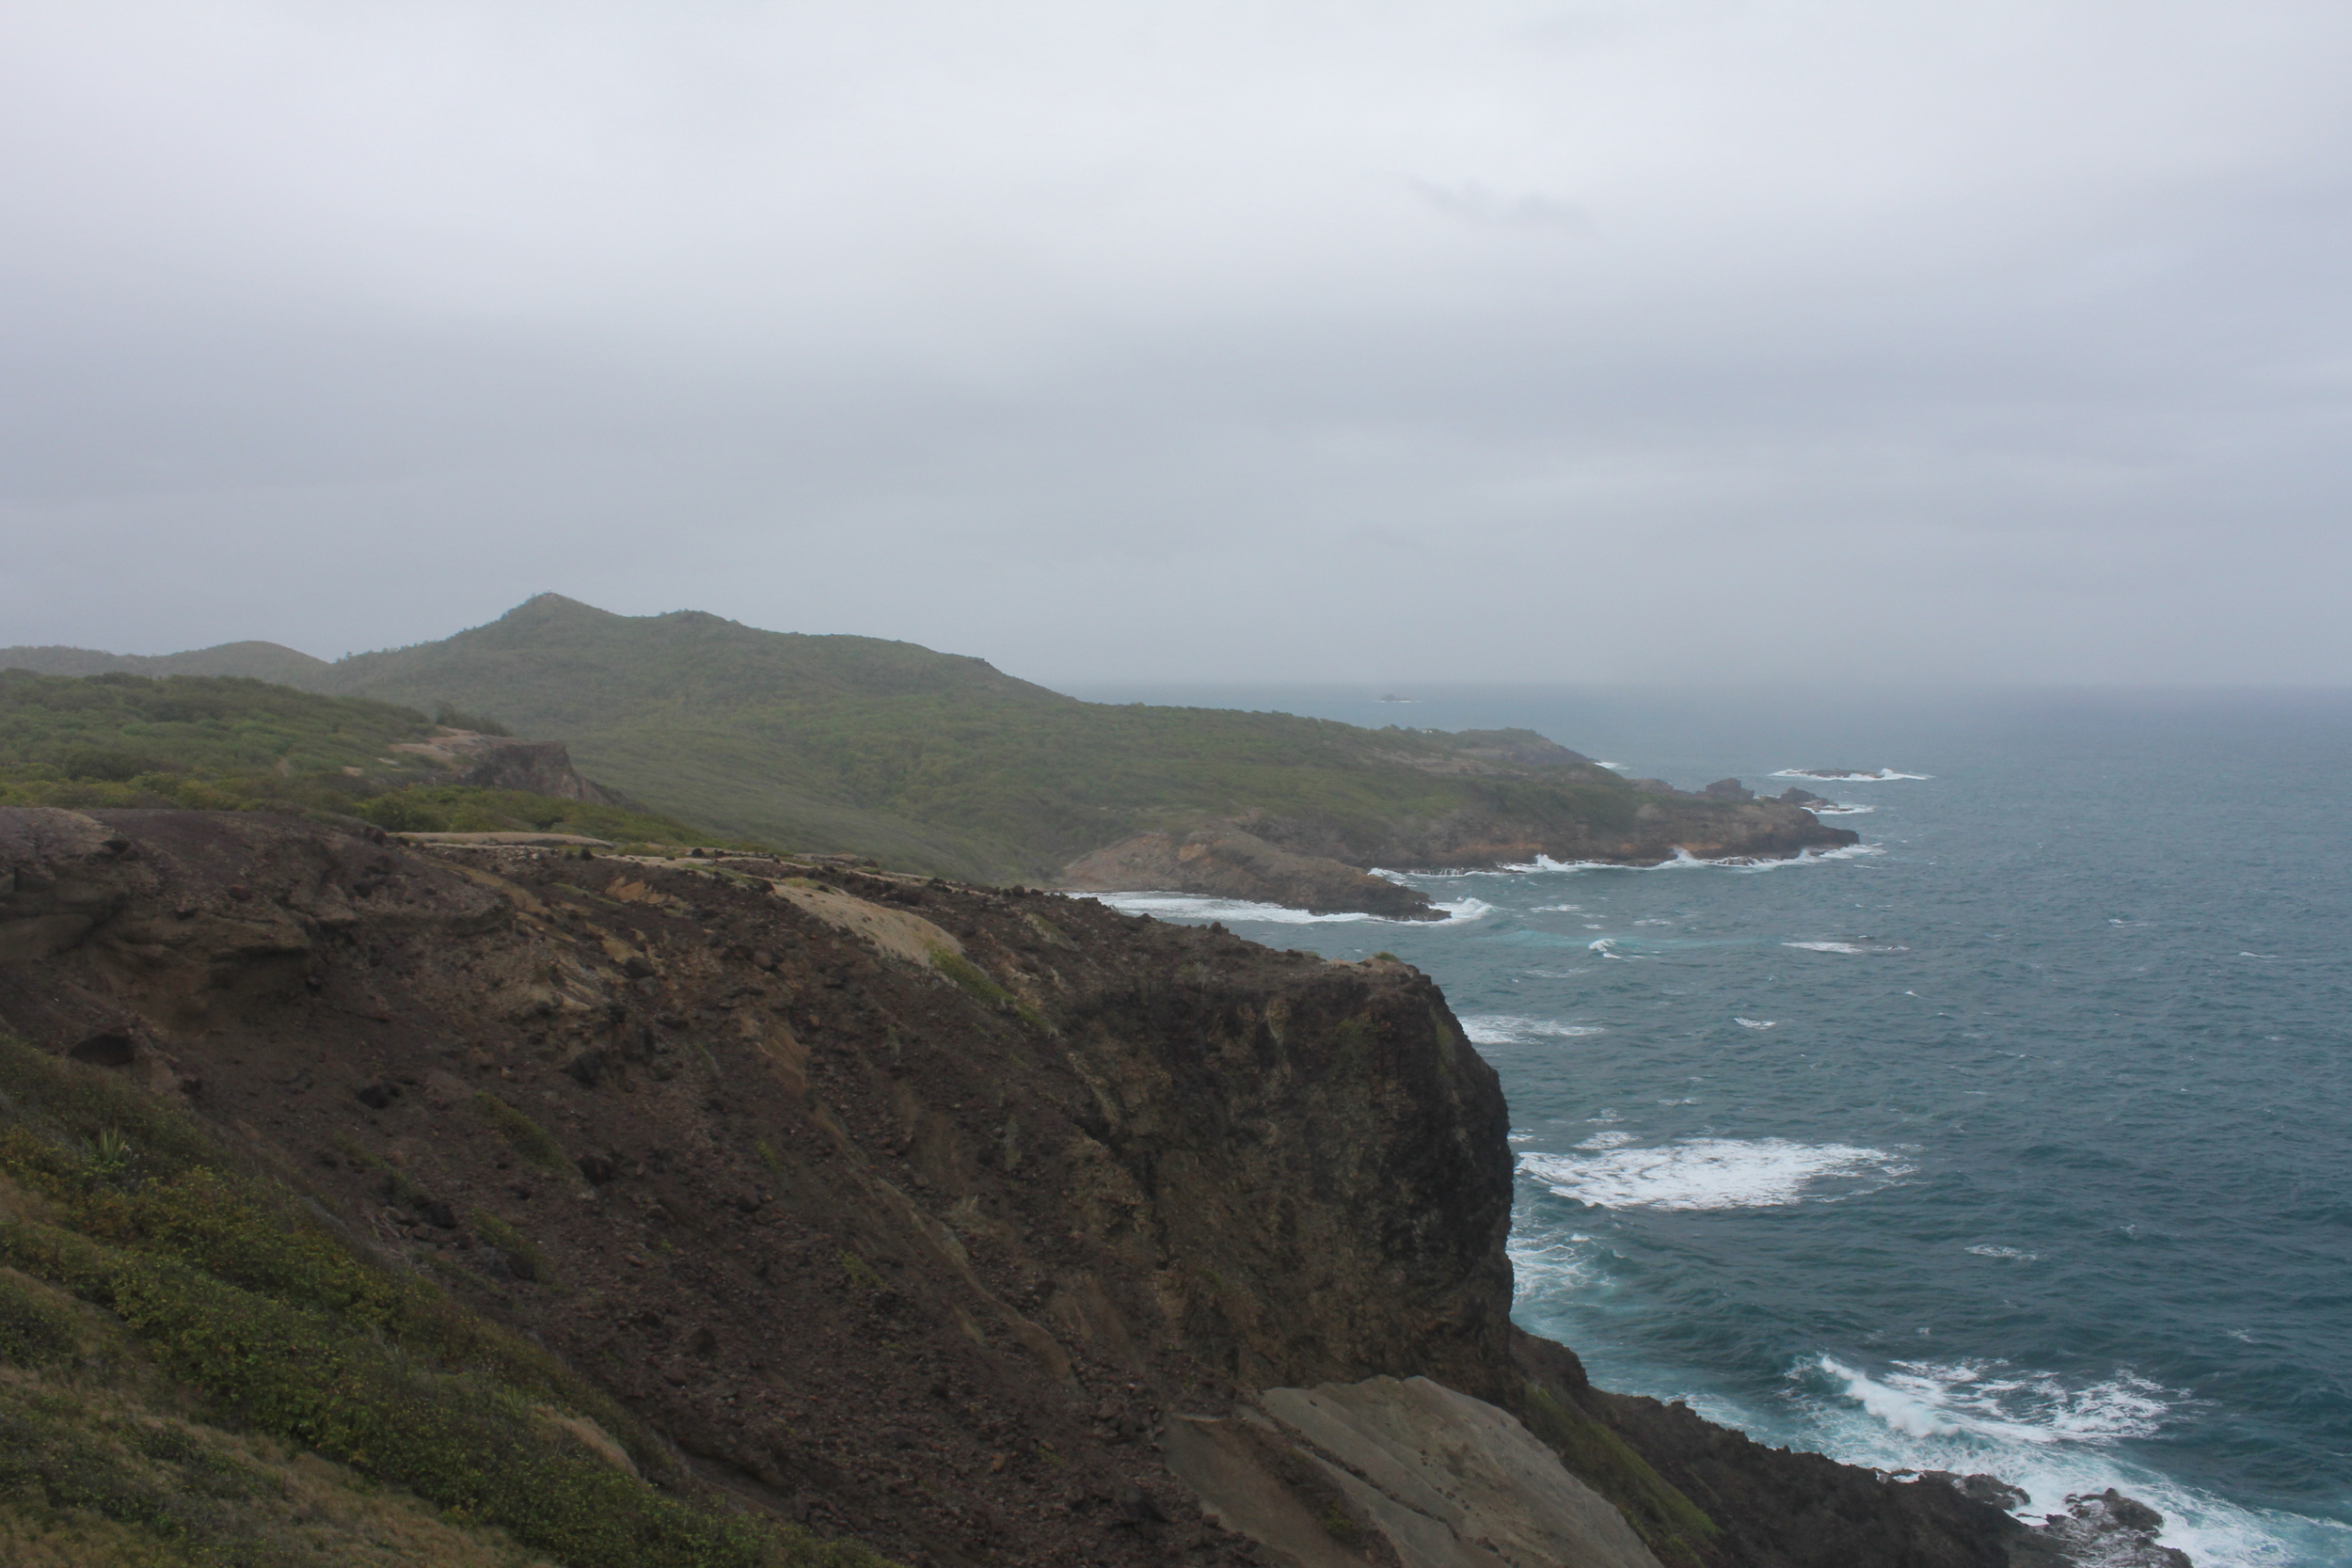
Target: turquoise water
[2019, 1141]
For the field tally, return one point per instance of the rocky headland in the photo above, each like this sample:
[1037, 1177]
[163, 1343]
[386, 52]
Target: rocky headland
[983, 1226]
[1313, 862]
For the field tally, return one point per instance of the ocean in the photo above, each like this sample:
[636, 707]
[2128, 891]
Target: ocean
[2016, 1139]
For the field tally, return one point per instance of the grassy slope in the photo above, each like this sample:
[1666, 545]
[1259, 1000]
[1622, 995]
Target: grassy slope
[195, 1369]
[925, 759]
[230, 743]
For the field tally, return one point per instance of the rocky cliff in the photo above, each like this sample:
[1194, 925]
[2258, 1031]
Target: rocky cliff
[506, 762]
[987, 1227]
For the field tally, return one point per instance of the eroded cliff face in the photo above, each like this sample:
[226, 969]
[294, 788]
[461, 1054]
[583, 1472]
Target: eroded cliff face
[941, 1216]
[910, 1210]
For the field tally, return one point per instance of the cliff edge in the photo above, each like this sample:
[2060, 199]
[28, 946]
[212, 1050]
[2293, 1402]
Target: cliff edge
[940, 1217]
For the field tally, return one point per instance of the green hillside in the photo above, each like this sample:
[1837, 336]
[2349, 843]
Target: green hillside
[940, 763]
[228, 743]
[926, 760]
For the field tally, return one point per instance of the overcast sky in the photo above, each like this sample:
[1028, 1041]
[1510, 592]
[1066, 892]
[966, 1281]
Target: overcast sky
[2004, 340]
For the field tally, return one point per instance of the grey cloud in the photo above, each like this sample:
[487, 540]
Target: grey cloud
[1474, 203]
[1193, 341]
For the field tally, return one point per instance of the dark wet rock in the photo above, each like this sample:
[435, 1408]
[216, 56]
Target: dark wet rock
[1728, 789]
[2108, 1530]
[1795, 796]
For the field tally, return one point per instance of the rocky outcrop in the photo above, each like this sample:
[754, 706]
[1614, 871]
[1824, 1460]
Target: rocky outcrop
[2103, 1529]
[1327, 1477]
[504, 762]
[1317, 864]
[1226, 861]
[919, 1213]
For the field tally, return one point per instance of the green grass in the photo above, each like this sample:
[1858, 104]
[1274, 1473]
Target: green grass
[969, 978]
[223, 1282]
[233, 744]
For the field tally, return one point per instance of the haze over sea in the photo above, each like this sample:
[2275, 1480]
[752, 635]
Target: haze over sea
[2016, 1141]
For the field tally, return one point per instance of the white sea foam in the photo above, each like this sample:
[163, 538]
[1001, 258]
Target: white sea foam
[2043, 1433]
[1985, 1251]
[1196, 908]
[1556, 909]
[1842, 809]
[1847, 948]
[1685, 861]
[1757, 1023]
[1506, 1029]
[1717, 1173]
[1607, 1140]
[1550, 1268]
[1884, 775]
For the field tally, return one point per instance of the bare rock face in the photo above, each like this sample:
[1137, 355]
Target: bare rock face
[1324, 1477]
[57, 881]
[504, 762]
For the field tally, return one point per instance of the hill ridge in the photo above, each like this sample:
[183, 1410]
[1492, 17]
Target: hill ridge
[942, 763]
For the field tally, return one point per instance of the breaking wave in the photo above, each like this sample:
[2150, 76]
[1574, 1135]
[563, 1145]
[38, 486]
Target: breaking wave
[1685, 861]
[1717, 1173]
[1509, 1029]
[1883, 775]
[1197, 909]
[1848, 947]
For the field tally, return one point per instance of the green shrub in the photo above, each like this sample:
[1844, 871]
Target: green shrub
[35, 1327]
[529, 1139]
[524, 1259]
[970, 976]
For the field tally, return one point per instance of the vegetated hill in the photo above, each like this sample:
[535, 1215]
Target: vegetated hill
[262, 661]
[234, 743]
[573, 1196]
[942, 763]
